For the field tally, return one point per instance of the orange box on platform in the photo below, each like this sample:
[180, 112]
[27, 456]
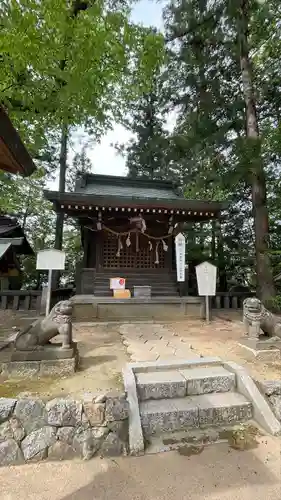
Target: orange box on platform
[121, 294]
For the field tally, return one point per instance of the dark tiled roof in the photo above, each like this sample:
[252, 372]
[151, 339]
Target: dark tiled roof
[125, 187]
[128, 192]
[11, 230]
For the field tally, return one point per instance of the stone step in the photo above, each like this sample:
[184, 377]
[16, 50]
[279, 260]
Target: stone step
[181, 383]
[169, 415]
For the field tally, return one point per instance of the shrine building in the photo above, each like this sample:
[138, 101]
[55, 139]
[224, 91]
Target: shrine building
[128, 229]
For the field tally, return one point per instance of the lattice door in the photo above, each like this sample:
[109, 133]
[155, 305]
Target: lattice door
[129, 257]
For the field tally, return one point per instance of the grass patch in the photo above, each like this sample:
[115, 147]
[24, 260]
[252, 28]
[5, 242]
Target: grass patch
[12, 387]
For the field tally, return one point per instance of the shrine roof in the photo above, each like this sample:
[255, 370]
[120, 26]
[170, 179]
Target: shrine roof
[125, 187]
[99, 191]
[14, 157]
[12, 233]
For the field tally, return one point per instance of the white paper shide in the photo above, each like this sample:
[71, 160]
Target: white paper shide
[180, 256]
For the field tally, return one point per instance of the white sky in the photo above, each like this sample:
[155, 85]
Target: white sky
[104, 158]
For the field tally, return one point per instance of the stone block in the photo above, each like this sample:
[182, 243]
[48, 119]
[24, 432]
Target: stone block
[265, 355]
[12, 429]
[24, 369]
[47, 353]
[10, 453]
[160, 385]
[121, 429]
[207, 380]
[168, 415]
[63, 412]
[270, 387]
[95, 413]
[31, 413]
[100, 398]
[217, 409]
[66, 434]
[60, 450]
[7, 406]
[87, 442]
[38, 442]
[116, 407]
[276, 405]
[112, 446]
[187, 414]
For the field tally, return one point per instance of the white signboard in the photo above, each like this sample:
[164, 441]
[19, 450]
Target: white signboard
[180, 256]
[206, 275]
[117, 283]
[50, 259]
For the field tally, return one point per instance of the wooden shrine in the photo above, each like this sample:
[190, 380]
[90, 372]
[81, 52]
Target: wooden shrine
[128, 227]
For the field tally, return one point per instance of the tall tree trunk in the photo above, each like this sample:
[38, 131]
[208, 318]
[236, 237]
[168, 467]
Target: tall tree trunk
[213, 240]
[62, 175]
[221, 258]
[60, 215]
[265, 283]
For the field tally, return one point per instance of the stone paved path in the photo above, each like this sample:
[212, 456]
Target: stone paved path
[152, 341]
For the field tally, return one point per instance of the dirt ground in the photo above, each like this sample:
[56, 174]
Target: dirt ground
[217, 473]
[102, 358]
[220, 338]
[103, 355]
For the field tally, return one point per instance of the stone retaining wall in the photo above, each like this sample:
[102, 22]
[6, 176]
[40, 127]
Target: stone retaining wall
[272, 390]
[61, 429]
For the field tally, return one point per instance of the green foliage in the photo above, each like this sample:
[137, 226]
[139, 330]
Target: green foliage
[78, 69]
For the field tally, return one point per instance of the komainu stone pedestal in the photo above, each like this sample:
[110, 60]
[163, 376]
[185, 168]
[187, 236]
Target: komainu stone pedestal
[31, 351]
[262, 350]
[51, 361]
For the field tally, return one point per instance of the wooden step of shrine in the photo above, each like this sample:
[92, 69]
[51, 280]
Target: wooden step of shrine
[162, 284]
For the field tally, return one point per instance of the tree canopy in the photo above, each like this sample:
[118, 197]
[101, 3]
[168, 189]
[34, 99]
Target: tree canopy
[86, 64]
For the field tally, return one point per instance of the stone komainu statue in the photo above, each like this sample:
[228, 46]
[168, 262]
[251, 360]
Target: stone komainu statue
[257, 319]
[39, 333]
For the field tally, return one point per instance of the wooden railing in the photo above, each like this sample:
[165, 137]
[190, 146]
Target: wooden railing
[30, 300]
[24, 300]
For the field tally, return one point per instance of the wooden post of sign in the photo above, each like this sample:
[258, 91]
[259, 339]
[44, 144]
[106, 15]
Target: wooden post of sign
[207, 309]
[49, 292]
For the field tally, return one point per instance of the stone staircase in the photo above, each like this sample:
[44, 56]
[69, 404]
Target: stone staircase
[194, 400]
[175, 400]
[163, 284]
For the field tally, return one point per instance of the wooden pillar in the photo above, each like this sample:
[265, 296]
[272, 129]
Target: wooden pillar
[213, 240]
[86, 240]
[169, 254]
[221, 258]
